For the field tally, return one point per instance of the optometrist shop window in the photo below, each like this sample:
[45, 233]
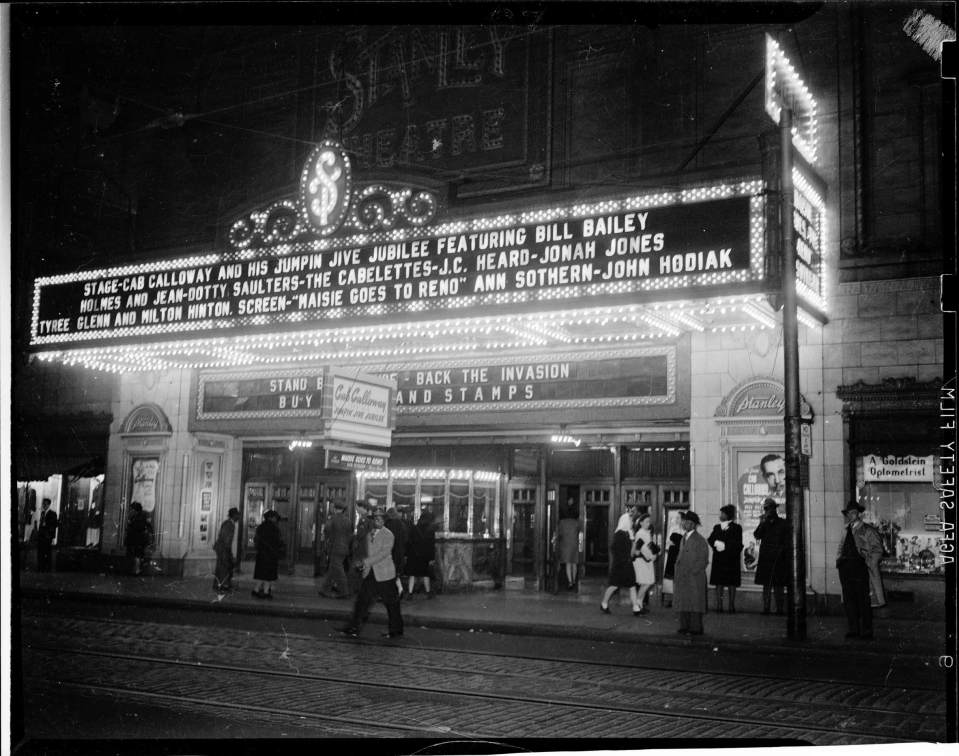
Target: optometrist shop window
[902, 501]
[466, 502]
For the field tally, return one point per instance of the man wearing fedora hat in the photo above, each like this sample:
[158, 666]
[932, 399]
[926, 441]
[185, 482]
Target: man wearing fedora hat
[339, 535]
[860, 547]
[689, 580]
[772, 569]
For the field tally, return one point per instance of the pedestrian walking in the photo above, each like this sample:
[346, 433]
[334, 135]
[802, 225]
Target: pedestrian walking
[378, 579]
[669, 569]
[566, 540]
[644, 554]
[46, 532]
[621, 573]
[772, 568]
[270, 549]
[690, 579]
[860, 546]
[726, 541]
[339, 536]
[225, 548]
[139, 536]
[420, 554]
[397, 527]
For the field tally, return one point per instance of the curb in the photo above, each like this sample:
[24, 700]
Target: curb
[707, 642]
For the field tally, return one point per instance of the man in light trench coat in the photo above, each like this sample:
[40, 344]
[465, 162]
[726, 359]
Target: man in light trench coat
[689, 583]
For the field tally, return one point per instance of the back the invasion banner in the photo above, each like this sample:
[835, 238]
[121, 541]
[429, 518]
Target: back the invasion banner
[695, 245]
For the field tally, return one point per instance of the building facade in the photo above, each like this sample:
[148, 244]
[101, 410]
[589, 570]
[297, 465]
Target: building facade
[557, 250]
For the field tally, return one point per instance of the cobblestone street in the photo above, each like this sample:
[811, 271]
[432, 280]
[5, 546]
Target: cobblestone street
[301, 679]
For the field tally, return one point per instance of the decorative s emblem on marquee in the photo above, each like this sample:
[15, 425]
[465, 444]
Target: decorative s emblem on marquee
[325, 187]
[327, 203]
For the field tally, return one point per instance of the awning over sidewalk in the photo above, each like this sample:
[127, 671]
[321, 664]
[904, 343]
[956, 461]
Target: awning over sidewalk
[35, 464]
[74, 446]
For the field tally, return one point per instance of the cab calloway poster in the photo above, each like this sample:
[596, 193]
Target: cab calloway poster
[761, 475]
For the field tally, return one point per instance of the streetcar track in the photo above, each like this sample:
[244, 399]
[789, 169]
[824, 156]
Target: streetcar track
[550, 659]
[687, 686]
[550, 703]
[362, 722]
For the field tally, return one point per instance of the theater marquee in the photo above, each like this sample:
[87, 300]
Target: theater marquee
[695, 242]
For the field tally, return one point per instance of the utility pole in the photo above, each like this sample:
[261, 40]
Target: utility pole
[795, 509]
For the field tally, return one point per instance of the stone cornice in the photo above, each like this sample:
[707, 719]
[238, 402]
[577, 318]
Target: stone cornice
[892, 395]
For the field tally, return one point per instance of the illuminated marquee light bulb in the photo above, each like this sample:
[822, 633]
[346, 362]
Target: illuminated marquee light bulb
[619, 287]
[779, 69]
[758, 315]
[807, 320]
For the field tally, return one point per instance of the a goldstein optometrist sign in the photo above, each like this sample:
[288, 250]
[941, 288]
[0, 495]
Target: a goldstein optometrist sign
[688, 242]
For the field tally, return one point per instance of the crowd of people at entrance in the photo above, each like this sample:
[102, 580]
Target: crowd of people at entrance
[369, 556]
[365, 557]
[633, 551]
[377, 555]
[412, 552]
[692, 563]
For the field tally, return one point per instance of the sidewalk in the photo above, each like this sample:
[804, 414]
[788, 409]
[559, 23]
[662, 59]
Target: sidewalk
[507, 611]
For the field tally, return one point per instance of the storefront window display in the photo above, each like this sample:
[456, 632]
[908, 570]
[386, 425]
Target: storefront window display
[902, 502]
[484, 497]
[463, 502]
[459, 506]
[433, 497]
[403, 495]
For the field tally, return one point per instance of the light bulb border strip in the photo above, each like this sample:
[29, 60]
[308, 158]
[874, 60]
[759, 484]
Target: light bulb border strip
[230, 352]
[745, 188]
[780, 69]
[437, 474]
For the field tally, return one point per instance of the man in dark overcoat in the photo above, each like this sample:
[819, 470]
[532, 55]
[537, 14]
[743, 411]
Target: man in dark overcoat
[860, 545]
[339, 536]
[772, 569]
[226, 548]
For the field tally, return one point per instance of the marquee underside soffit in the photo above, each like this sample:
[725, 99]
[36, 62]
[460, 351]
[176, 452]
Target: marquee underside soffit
[604, 327]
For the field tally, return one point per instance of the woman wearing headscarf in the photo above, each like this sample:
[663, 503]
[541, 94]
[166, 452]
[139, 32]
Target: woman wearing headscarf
[621, 573]
[269, 550]
[726, 541]
[644, 554]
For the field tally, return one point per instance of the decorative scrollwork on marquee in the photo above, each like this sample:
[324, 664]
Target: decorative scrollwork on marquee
[281, 222]
[374, 208]
[379, 208]
[327, 203]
